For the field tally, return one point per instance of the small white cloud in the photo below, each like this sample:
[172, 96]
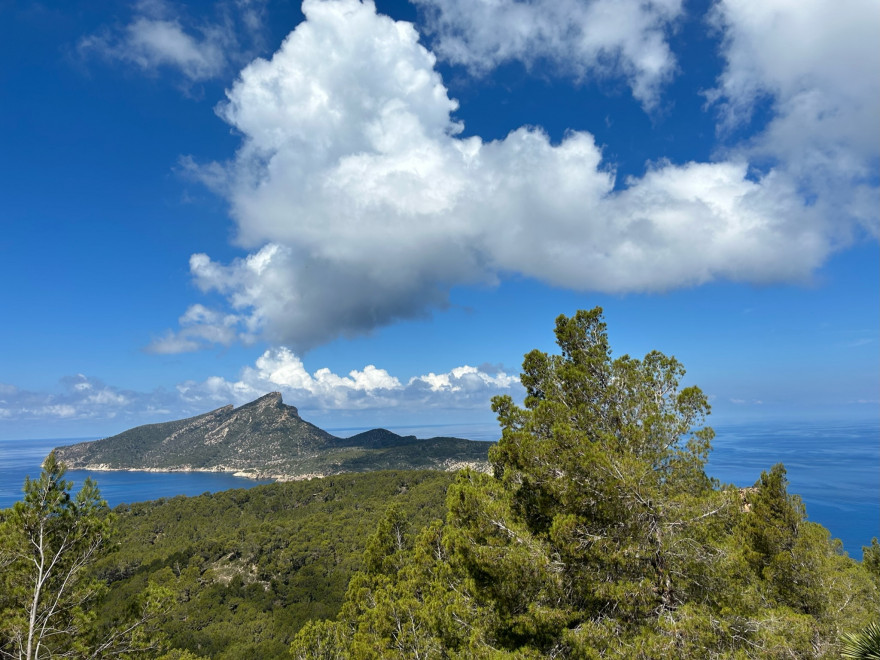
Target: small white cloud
[58, 410]
[593, 38]
[373, 378]
[172, 343]
[82, 384]
[152, 43]
[107, 397]
[466, 377]
[200, 327]
[745, 402]
[158, 37]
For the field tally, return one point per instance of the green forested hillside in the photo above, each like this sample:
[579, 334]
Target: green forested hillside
[597, 534]
[249, 567]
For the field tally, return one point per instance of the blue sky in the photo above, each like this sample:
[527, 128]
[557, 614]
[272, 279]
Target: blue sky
[378, 209]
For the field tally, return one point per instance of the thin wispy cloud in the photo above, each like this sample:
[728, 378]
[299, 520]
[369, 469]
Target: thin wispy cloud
[160, 37]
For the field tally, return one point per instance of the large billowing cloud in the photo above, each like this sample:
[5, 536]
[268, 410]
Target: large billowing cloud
[362, 204]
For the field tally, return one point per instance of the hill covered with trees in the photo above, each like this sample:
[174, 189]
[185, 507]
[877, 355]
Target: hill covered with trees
[597, 534]
[247, 568]
[225, 575]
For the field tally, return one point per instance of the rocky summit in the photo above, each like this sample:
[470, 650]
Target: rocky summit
[267, 438]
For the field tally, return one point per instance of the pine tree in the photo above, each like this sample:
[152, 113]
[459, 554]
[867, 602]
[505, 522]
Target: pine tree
[48, 542]
[599, 535]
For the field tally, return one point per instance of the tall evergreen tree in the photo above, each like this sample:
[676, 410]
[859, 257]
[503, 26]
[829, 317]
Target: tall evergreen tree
[48, 542]
[599, 535]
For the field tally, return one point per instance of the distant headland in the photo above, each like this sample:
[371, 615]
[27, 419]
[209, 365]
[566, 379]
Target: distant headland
[267, 439]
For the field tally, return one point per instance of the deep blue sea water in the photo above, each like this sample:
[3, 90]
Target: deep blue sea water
[835, 468]
[22, 458]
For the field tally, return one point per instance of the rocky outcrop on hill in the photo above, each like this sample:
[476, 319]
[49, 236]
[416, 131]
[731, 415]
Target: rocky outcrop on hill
[266, 439]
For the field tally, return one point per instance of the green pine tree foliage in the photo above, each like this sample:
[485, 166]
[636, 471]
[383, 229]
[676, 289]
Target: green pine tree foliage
[49, 543]
[248, 568]
[599, 535]
[871, 559]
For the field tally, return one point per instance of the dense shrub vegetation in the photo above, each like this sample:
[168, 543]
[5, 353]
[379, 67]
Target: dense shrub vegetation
[599, 535]
[249, 567]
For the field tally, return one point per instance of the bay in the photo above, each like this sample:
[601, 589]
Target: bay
[22, 458]
[834, 467]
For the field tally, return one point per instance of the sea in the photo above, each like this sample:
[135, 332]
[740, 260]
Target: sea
[833, 467]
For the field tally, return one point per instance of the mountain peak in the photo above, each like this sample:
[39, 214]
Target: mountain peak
[265, 437]
[269, 401]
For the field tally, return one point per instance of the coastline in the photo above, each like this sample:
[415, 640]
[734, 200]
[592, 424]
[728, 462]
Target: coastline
[832, 465]
[449, 465]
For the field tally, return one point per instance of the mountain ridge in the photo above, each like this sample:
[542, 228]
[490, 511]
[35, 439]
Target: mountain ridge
[266, 438]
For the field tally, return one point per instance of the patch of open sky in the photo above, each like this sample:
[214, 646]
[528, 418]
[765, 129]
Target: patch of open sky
[401, 10]
[872, 176]
[631, 138]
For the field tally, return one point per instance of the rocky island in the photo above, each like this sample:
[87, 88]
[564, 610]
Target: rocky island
[267, 438]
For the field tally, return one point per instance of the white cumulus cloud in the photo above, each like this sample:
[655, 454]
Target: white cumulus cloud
[461, 378]
[362, 204]
[370, 394]
[281, 369]
[817, 65]
[200, 327]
